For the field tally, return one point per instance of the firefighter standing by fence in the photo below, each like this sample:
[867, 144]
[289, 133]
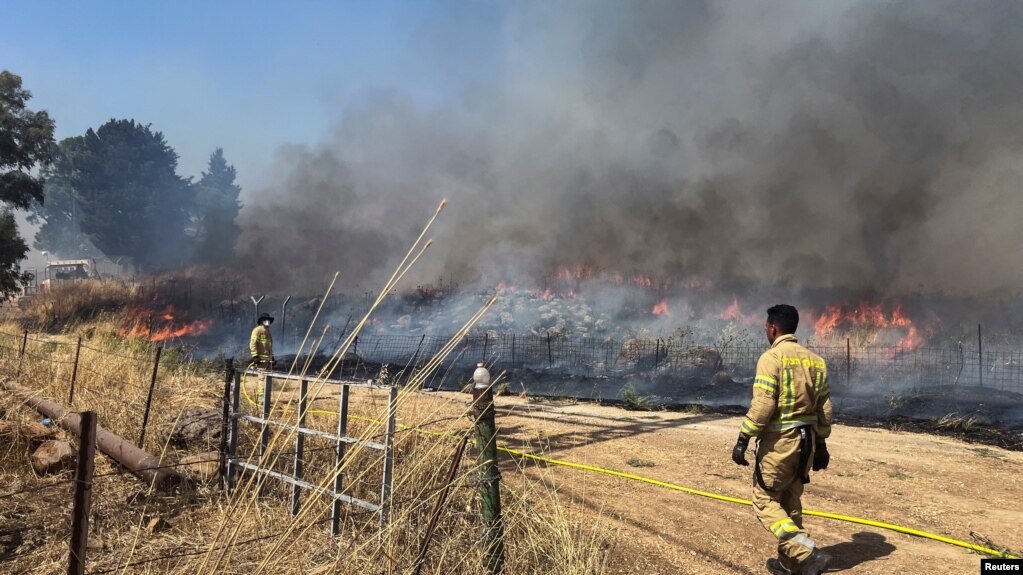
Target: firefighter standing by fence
[261, 343]
[790, 416]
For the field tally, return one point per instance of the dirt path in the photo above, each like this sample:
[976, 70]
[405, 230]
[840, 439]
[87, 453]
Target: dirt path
[935, 484]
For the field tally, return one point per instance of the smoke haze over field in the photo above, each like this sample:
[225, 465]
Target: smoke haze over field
[862, 146]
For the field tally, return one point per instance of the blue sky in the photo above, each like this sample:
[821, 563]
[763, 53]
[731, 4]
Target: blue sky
[246, 76]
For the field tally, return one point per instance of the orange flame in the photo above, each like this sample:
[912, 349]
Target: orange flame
[191, 329]
[734, 313]
[662, 308]
[139, 320]
[869, 316]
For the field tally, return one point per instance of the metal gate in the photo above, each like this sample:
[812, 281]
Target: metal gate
[342, 442]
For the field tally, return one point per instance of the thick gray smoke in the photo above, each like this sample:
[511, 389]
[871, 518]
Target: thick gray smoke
[868, 145]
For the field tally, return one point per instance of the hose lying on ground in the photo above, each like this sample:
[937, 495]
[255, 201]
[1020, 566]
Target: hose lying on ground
[710, 495]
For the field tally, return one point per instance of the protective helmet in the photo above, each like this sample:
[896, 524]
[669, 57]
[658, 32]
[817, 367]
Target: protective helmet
[265, 317]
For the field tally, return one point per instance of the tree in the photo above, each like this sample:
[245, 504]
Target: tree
[59, 222]
[26, 141]
[121, 182]
[216, 208]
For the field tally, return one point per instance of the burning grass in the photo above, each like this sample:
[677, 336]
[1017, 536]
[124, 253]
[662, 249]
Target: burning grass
[250, 530]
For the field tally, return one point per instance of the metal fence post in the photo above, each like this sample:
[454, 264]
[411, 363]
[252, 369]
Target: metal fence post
[385, 489]
[303, 390]
[415, 356]
[490, 475]
[21, 354]
[264, 435]
[550, 358]
[149, 398]
[255, 302]
[284, 317]
[980, 357]
[74, 371]
[83, 494]
[339, 458]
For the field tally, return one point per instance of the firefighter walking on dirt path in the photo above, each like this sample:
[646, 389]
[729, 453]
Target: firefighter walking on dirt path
[790, 416]
[261, 343]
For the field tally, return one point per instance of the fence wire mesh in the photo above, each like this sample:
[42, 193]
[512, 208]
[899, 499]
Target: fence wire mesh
[617, 357]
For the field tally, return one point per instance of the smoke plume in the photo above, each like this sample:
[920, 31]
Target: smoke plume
[855, 145]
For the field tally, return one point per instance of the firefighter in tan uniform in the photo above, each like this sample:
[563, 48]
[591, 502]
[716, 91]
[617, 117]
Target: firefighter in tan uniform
[790, 416]
[261, 343]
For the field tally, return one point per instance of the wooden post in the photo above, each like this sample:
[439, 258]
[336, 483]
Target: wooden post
[232, 443]
[848, 361]
[226, 421]
[513, 351]
[657, 352]
[149, 398]
[980, 357]
[439, 506]
[490, 476]
[486, 342]
[83, 494]
[74, 371]
[21, 354]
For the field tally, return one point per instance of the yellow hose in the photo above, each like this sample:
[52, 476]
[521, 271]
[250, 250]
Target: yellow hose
[710, 495]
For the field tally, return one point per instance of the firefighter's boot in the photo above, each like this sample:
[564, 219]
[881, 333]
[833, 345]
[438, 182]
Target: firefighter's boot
[815, 564]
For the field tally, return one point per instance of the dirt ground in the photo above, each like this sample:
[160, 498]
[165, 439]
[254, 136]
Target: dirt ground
[935, 484]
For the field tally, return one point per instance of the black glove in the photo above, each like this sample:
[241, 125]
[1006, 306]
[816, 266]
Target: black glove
[739, 451]
[255, 359]
[821, 457]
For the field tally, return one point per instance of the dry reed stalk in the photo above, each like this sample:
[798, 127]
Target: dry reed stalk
[402, 268]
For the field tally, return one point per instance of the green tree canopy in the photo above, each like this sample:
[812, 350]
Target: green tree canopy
[26, 140]
[59, 224]
[121, 185]
[216, 208]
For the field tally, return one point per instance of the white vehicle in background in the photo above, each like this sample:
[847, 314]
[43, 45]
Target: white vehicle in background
[60, 271]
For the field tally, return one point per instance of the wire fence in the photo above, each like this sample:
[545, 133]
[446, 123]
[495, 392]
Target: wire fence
[84, 376]
[623, 357]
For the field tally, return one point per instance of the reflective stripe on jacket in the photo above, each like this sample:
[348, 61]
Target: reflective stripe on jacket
[261, 344]
[790, 390]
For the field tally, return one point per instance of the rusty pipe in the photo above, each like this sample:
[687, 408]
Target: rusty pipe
[140, 463]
